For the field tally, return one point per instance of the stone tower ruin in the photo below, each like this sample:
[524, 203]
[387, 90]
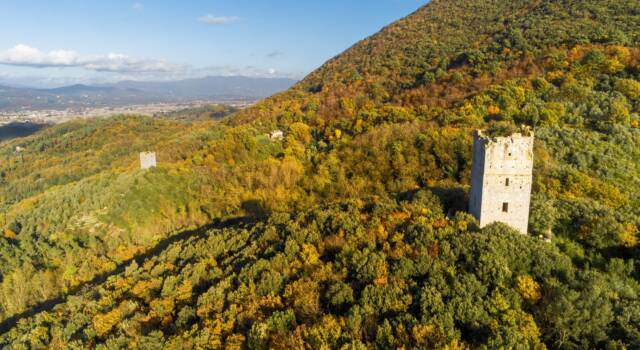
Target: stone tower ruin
[147, 160]
[501, 178]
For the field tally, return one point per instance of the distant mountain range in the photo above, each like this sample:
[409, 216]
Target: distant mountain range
[214, 88]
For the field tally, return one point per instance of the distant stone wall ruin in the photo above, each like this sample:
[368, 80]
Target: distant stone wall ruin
[147, 160]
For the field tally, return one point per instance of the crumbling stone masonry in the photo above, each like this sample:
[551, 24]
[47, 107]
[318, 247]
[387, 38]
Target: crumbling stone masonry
[147, 160]
[501, 178]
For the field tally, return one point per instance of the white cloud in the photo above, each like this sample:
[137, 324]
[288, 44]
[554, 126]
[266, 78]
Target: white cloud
[24, 55]
[272, 71]
[21, 54]
[137, 6]
[218, 20]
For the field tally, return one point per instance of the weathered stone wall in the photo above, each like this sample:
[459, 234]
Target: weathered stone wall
[147, 160]
[501, 180]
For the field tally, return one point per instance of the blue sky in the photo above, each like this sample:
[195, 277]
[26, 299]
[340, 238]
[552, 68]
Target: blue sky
[54, 42]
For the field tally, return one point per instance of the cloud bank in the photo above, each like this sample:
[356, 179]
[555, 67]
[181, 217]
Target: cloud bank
[27, 56]
[218, 20]
[56, 66]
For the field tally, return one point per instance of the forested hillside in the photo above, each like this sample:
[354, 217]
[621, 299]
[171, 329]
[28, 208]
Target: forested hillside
[351, 232]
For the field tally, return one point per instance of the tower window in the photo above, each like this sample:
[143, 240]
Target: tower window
[505, 207]
[506, 182]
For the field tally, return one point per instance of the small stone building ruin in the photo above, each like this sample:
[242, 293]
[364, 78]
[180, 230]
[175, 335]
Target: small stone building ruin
[147, 160]
[501, 178]
[276, 135]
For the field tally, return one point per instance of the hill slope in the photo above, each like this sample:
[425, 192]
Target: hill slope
[449, 50]
[352, 231]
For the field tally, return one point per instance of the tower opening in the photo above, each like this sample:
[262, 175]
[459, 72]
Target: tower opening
[505, 207]
[506, 183]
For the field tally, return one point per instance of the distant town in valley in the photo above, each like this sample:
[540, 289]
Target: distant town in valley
[55, 116]
[52, 106]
